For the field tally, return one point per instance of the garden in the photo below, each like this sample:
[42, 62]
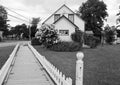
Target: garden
[101, 64]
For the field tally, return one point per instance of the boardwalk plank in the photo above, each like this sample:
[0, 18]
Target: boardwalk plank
[27, 70]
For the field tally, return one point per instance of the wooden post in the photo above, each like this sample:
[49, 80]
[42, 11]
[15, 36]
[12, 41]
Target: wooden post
[79, 68]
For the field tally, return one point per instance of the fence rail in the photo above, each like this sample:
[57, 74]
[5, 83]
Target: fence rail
[58, 77]
[4, 70]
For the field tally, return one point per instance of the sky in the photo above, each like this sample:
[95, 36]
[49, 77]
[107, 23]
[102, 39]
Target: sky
[44, 8]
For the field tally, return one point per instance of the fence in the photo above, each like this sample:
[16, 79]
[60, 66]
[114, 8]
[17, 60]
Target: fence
[4, 70]
[57, 76]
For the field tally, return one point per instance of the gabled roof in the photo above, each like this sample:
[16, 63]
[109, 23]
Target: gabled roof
[66, 19]
[58, 10]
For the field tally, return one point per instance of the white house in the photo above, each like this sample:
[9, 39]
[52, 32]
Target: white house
[66, 22]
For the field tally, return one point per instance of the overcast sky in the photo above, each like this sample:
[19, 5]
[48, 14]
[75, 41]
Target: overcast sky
[44, 8]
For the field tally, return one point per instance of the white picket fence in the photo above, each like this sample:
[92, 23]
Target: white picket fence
[58, 77]
[4, 70]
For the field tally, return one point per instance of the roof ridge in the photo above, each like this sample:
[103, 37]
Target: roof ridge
[57, 11]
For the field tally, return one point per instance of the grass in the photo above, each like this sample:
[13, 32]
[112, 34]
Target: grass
[101, 65]
[4, 54]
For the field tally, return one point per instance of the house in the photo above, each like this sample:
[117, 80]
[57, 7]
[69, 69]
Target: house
[66, 22]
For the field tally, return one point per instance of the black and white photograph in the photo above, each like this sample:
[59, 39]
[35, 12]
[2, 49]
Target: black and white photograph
[59, 42]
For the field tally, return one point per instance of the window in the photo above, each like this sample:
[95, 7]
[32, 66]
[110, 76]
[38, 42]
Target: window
[64, 32]
[71, 17]
[56, 17]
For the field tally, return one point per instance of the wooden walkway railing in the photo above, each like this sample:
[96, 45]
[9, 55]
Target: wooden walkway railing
[58, 77]
[4, 70]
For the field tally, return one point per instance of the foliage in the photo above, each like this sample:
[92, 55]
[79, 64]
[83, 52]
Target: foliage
[0, 39]
[48, 35]
[19, 30]
[3, 20]
[110, 34]
[93, 12]
[35, 21]
[35, 41]
[33, 28]
[66, 47]
[77, 36]
[118, 33]
[91, 40]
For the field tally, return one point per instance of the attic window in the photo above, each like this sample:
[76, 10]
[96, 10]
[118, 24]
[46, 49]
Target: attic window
[71, 17]
[64, 32]
[56, 17]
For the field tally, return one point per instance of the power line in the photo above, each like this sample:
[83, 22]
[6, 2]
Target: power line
[15, 12]
[18, 18]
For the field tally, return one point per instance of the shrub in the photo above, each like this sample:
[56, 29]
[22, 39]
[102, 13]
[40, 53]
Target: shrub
[118, 33]
[35, 41]
[66, 46]
[77, 36]
[91, 40]
[110, 36]
[48, 35]
[0, 39]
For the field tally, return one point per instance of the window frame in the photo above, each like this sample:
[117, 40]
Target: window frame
[63, 34]
[57, 16]
[69, 17]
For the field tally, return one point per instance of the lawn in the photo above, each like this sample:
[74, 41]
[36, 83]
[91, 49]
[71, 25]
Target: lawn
[4, 54]
[101, 65]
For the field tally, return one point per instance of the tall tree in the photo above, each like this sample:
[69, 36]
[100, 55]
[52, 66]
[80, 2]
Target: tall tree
[3, 20]
[33, 28]
[93, 12]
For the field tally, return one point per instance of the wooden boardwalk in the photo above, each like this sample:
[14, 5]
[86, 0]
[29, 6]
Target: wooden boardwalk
[27, 70]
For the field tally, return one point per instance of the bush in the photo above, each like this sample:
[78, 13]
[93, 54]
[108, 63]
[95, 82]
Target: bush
[77, 36]
[66, 47]
[110, 36]
[0, 39]
[35, 41]
[118, 33]
[48, 35]
[91, 40]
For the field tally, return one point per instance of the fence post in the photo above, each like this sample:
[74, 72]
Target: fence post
[79, 68]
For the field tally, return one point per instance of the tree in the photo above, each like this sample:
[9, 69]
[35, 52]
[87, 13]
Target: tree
[20, 31]
[33, 28]
[93, 12]
[3, 20]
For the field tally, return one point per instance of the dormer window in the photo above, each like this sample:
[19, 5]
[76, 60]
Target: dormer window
[56, 17]
[71, 17]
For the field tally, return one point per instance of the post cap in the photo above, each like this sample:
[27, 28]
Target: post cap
[80, 55]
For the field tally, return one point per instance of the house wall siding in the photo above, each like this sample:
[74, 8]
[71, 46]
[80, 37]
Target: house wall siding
[64, 10]
[79, 22]
[63, 24]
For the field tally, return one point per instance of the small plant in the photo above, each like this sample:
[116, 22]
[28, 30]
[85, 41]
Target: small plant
[77, 36]
[35, 41]
[0, 39]
[91, 40]
[66, 47]
[110, 33]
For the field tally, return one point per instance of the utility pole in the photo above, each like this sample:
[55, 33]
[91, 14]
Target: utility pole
[29, 29]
